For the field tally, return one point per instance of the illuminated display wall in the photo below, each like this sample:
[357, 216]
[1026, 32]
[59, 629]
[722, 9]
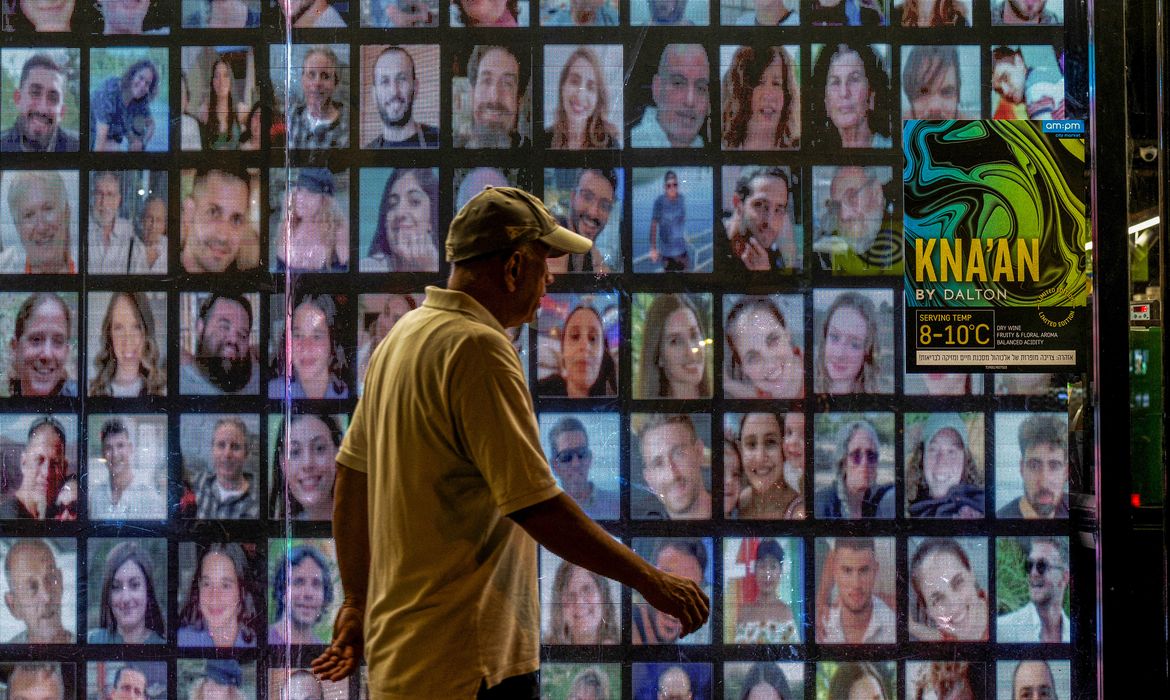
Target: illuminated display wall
[209, 220]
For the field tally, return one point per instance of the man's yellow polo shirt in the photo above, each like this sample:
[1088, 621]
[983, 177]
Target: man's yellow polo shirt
[446, 434]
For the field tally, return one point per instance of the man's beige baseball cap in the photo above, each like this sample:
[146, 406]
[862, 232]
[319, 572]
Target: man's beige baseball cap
[503, 217]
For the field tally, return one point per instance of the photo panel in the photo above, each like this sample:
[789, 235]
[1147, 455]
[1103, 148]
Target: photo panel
[671, 218]
[857, 231]
[1029, 384]
[926, 679]
[219, 98]
[945, 470]
[941, 82]
[133, 17]
[668, 13]
[853, 477]
[38, 465]
[297, 683]
[219, 343]
[127, 231]
[855, 574]
[854, 341]
[39, 229]
[911, 13]
[118, 679]
[491, 97]
[399, 95]
[764, 466]
[41, 352]
[468, 182]
[584, 454]
[848, 94]
[27, 18]
[764, 679]
[565, 681]
[565, 13]
[861, 679]
[220, 218]
[221, 466]
[673, 680]
[759, 13]
[308, 220]
[402, 234]
[669, 98]
[127, 348]
[760, 97]
[497, 15]
[670, 466]
[763, 346]
[307, 346]
[1031, 465]
[220, 14]
[587, 201]
[939, 384]
[583, 93]
[49, 679]
[126, 477]
[398, 13]
[217, 677]
[220, 591]
[127, 593]
[377, 315]
[763, 595]
[672, 346]
[949, 589]
[830, 13]
[577, 606]
[303, 14]
[312, 96]
[1027, 81]
[1037, 678]
[1042, 12]
[304, 591]
[39, 590]
[689, 557]
[762, 218]
[129, 99]
[578, 339]
[45, 88]
[1032, 590]
[303, 465]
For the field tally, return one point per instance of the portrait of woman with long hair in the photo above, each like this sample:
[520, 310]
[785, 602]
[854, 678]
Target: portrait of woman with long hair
[128, 360]
[761, 100]
[129, 609]
[580, 116]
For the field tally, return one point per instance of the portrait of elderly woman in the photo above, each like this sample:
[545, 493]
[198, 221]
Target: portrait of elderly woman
[42, 344]
[761, 98]
[38, 228]
[402, 234]
[849, 97]
[855, 479]
[128, 109]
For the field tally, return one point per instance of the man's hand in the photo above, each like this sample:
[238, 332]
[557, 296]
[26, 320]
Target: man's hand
[754, 256]
[680, 598]
[344, 653]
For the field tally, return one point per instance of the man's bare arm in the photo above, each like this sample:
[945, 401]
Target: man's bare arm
[562, 527]
[351, 536]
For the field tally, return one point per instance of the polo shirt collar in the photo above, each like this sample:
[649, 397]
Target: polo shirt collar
[459, 302]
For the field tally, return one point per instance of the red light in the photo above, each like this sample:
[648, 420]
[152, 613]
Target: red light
[1142, 309]
[1135, 500]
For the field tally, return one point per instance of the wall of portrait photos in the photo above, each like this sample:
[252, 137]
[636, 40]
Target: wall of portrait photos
[212, 211]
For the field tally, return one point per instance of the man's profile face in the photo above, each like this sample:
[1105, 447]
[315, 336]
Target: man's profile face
[1047, 574]
[672, 466]
[305, 596]
[319, 78]
[495, 96]
[681, 91]
[394, 87]
[937, 98]
[39, 101]
[34, 589]
[302, 686]
[674, 560]
[216, 214]
[860, 206]
[118, 452]
[572, 462]
[592, 204]
[131, 686]
[1033, 681]
[1044, 470]
[854, 572]
[34, 686]
[223, 348]
[106, 198]
[765, 208]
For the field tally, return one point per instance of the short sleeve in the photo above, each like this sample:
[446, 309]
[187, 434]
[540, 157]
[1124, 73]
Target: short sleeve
[354, 447]
[656, 215]
[493, 413]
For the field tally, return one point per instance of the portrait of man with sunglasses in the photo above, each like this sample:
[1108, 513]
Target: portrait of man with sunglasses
[1043, 618]
[571, 459]
[855, 491]
[856, 230]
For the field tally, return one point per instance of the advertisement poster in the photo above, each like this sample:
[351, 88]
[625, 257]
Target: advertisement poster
[997, 268]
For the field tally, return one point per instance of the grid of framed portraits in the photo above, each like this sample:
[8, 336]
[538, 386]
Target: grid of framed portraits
[263, 187]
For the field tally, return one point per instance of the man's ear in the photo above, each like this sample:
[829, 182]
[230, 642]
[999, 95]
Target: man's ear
[655, 86]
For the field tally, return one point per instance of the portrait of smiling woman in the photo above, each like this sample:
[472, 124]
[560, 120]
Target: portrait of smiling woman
[761, 99]
[303, 466]
[577, 350]
[131, 579]
[405, 235]
[949, 581]
[127, 358]
[673, 346]
[580, 115]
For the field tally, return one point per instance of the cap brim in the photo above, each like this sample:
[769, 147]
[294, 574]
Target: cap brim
[563, 241]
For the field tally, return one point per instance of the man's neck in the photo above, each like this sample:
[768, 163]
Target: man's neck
[700, 509]
[32, 145]
[47, 632]
[1051, 620]
[119, 483]
[855, 623]
[107, 230]
[675, 142]
[397, 134]
[237, 483]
